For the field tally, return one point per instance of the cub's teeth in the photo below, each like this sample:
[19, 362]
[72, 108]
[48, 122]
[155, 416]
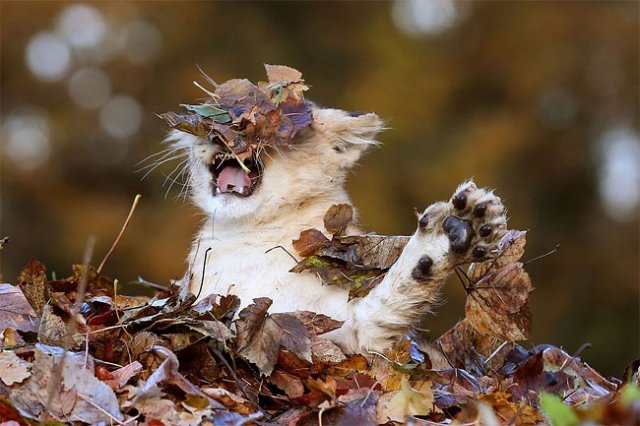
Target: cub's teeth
[218, 192]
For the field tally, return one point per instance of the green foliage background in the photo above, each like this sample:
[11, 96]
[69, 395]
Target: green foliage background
[516, 94]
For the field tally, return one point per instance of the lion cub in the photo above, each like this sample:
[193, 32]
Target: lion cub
[281, 189]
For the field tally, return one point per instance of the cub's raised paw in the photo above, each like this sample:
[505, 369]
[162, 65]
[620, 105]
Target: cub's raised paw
[473, 221]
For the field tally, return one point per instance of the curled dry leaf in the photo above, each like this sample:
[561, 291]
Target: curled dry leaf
[15, 310]
[337, 218]
[120, 377]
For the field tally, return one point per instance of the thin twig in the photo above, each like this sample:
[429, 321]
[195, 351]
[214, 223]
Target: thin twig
[87, 399]
[542, 256]
[124, 227]
[56, 376]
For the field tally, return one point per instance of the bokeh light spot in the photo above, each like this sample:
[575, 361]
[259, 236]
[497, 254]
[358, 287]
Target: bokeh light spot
[620, 173]
[424, 17]
[48, 57]
[26, 140]
[89, 88]
[121, 117]
[142, 41]
[81, 25]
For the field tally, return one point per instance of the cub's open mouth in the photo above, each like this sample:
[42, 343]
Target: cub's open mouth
[229, 178]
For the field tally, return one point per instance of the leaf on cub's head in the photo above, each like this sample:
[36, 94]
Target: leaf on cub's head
[282, 74]
[245, 117]
[209, 111]
[337, 218]
[260, 335]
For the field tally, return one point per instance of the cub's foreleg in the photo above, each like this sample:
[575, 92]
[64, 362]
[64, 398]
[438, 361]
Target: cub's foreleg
[464, 229]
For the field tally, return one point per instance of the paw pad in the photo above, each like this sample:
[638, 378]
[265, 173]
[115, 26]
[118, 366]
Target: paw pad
[423, 269]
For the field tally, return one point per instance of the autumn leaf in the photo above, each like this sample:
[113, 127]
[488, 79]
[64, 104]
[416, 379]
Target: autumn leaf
[12, 368]
[317, 323]
[497, 304]
[209, 111]
[88, 399]
[33, 283]
[15, 310]
[409, 400]
[282, 74]
[260, 335]
[337, 218]
[310, 241]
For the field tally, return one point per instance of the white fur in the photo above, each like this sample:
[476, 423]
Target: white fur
[240, 236]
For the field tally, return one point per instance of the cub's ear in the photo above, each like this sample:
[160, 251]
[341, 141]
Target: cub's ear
[348, 135]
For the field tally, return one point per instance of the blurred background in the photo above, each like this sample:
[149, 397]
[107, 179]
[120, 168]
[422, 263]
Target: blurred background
[537, 99]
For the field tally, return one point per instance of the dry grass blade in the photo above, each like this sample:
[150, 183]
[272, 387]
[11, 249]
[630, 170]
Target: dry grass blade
[73, 323]
[124, 227]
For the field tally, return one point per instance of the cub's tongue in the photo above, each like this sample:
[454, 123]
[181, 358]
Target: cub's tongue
[233, 179]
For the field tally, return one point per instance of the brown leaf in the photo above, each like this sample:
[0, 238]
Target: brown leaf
[317, 323]
[260, 335]
[142, 342]
[10, 338]
[409, 400]
[531, 378]
[54, 331]
[282, 74]
[89, 400]
[497, 304]
[516, 414]
[371, 251]
[310, 241]
[287, 382]
[337, 218]
[120, 377]
[33, 283]
[467, 348]
[510, 250]
[387, 368]
[15, 310]
[356, 407]
[325, 351]
[168, 373]
[12, 368]
[229, 400]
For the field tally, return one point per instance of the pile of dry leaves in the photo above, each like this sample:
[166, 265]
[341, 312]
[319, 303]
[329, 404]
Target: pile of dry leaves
[96, 356]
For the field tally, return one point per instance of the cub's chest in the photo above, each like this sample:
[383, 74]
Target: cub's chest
[233, 265]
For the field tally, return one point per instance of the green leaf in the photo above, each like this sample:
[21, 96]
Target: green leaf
[630, 395]
[209, 111]
[556, 411]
